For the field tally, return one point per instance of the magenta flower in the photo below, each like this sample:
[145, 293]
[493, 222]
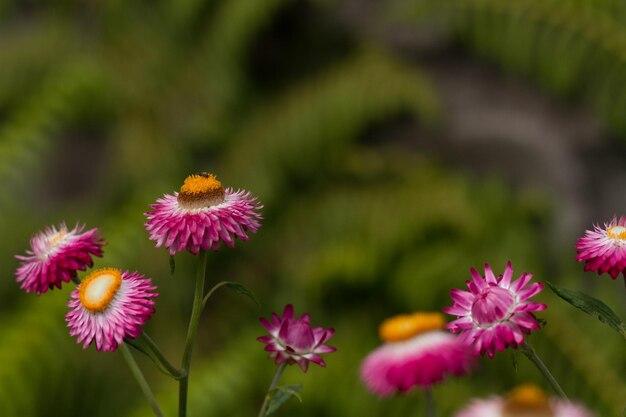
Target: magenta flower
[524, 401]
[495, 313]
[110, 306]
[294, 340]
[417, 353]
[604, 249]
[55, 256]
[201, 216]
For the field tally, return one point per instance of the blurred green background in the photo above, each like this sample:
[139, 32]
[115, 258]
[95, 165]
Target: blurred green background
[394, 145]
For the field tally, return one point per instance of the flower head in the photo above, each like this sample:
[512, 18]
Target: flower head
[109, 306]
[416, 353]
[202, 215]
[604, 249]
[523, 401]
[55, 255]
[495, 313]
[293, 340]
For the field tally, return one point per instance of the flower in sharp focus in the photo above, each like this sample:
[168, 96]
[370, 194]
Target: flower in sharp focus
[109, 306]
[55, 255]
[416, 353]
[202, 215]
[495, 313]
[523, 401]
[604, 249]
[293, 340]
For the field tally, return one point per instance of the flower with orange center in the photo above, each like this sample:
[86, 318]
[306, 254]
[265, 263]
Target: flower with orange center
[55, 257]
[604, 249]
[109, 306]
[523, 401]
[417, 352]
[202, 215]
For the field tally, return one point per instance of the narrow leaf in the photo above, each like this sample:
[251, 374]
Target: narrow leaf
[241, 289]
[281, 394]
[591, 306]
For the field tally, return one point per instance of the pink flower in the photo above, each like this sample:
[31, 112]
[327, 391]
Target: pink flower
[55, 256]
[495, 313]
[294, 340]
[109, 306]
[417, 353]
[201, 216]
[524, 401]
[604, 249]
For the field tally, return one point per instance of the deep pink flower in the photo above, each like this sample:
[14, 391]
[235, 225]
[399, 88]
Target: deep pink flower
[495, 313]
[109, 306]
[604, 249]
[417, 354]
[202, 215]
[55, 256]
[294, 340]
[524, 401]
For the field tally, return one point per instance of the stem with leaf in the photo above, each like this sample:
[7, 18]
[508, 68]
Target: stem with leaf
[532, 356]
[191, 333]
[273, 385]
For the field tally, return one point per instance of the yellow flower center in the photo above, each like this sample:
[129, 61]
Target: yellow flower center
[98, 290]
[406, 326]
[55, 238]
[200, 190]
[617, 232]
[527, 401]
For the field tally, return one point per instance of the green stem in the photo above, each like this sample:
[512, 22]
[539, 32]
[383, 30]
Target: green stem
[76, 280]
[429, 403]
[532, 356]
[171, 369]
[273, 385]
[191, 334]
[210, 293]
[141, 380]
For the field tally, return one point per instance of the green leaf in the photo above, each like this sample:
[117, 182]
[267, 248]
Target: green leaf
[591, 306]
[241, 289]
[172, 264]
[514, 361]
[281, 394]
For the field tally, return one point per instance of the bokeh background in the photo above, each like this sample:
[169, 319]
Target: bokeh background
[394, 144]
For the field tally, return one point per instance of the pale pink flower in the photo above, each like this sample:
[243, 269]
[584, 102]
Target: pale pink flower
[603, 249]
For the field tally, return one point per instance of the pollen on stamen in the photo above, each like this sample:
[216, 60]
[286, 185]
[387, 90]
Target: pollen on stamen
[201, 190]
[617, 232]
[527, 399]
[406, 326]
[98, 290]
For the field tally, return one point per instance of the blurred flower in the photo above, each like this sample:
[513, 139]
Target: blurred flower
[495, 313]
[604, 249]
[55, 256]
[109, 306]
[294, 340]
[417, 353]
[202, 215]
[524, 401]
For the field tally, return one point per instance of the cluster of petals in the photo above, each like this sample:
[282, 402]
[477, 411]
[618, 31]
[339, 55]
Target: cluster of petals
[55, 255]
[496, 312]
[178, 228]
[603, 249]
[422, 360]
[123, 316]
[498, 406]
[293, 340]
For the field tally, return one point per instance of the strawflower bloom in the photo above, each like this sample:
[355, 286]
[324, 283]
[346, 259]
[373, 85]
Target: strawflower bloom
[523, 401]
[293, 340]
[417, 353]
[202, 215]
[109, 306]
[604, 249]
[495, 313]
[55, 255]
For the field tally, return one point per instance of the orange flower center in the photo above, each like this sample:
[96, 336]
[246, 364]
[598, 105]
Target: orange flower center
[617, 232]
[98, 290]
[527, 401]
[406, 326]
[200, 190]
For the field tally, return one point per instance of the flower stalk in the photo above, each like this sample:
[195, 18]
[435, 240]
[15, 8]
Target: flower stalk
[141, 380]
[273, 385]
[534, 358]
